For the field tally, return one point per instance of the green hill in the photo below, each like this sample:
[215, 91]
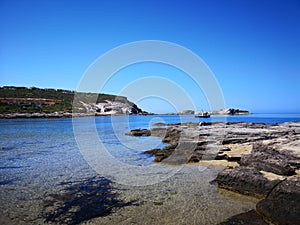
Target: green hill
[37, 100]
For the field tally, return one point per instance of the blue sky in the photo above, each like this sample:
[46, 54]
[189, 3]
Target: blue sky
[252, 47]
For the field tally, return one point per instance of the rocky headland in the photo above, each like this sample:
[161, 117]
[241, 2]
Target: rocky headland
[259, 159]
[23, 102]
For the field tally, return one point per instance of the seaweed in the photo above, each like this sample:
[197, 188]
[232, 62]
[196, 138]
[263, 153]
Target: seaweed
[81, 201]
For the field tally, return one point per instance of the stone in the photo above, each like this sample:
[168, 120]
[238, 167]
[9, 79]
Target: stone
[246, 180]
[282, 205]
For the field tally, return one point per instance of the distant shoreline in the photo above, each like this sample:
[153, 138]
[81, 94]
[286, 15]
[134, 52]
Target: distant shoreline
[60, 115]
[223, 112]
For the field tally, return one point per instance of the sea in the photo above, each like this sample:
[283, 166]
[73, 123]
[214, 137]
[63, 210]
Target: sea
[37, 156]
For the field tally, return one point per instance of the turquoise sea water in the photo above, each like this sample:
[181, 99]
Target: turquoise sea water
[36, 155]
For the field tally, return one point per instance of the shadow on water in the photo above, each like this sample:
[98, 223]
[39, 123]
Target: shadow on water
[82, 201]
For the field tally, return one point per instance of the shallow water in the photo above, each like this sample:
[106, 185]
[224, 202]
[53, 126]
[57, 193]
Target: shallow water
[38, 155]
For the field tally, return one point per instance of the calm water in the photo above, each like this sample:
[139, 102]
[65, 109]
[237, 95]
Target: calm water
[36, 155]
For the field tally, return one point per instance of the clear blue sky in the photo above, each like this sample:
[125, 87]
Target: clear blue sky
[253, 47]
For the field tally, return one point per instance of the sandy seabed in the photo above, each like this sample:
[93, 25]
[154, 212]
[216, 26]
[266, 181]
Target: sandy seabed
[188, 197]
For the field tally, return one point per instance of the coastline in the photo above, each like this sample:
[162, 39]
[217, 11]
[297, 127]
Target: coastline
[260, 160]
[198, 193]
[61, 115]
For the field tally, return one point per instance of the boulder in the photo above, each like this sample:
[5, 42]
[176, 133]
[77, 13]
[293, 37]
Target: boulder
[282, 205]
[246, 180]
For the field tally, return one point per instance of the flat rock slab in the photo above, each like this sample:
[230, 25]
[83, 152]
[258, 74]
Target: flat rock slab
[264, 157]
[282, 139]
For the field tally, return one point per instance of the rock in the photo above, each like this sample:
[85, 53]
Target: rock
[158, 132]
[159, 124]
[161, 154]
[248, 218]
[282, 205]
[186, 112]
[182, 153]
[172, 135]
[246, 180]
[268, 159]
[233, 142]
[229, 111]
[241, 139]
[139, 132]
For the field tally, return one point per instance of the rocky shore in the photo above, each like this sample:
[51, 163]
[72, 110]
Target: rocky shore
[260, 160]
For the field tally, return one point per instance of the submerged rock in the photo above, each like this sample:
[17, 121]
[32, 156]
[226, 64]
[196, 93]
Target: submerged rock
[248, 218]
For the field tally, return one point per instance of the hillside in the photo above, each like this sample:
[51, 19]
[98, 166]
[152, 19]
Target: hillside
[37, 100]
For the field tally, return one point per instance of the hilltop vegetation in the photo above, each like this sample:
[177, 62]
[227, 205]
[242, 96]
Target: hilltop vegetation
[37, 100]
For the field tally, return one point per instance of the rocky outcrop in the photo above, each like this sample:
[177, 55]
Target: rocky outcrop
[112, 107]
[186, 112]
[251, 144]
[267, 163]
[229, 111]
